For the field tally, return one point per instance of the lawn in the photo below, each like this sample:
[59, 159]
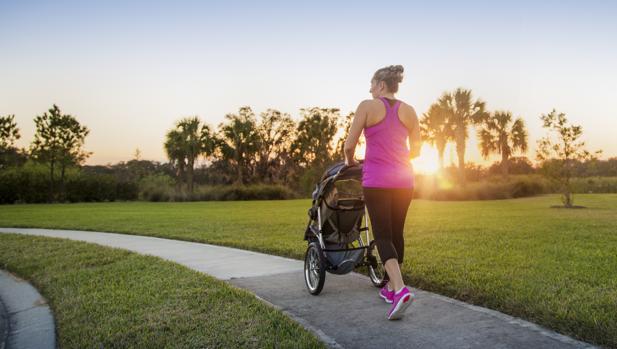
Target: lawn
[555, 267]
[109, 298]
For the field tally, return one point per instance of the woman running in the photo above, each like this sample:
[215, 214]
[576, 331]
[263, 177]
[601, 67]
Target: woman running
[389, 126]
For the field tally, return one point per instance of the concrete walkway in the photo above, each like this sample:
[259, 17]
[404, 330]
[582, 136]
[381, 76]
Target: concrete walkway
[348, 312]
[25, 318]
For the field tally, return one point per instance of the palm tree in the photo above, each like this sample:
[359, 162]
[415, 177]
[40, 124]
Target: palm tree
[238, 141]
[175, 154]
[185, 144]
[191, 142]
[501, 135]
[437, 129]
[463, 112]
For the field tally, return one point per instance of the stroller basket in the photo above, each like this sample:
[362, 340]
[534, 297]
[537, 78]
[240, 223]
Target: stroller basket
[343, 260]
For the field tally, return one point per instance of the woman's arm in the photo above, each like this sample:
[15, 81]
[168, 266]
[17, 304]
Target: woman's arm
[415, 139]
[357, 125]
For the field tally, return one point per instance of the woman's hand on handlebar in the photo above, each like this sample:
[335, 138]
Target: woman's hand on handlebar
[350, 162]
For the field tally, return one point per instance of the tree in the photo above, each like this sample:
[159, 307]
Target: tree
[345, 125]
[275, 131]
[58, 141]
[313, 144]
[176, 154]
[559, 150]
[437, 129]
[238, 142]
[500, 135]
[9, 134]
[185, 143]
[463, 112]
[313, 147]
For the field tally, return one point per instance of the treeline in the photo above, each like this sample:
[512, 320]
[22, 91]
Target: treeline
[271, 155]
[246, 149]
[265, 157]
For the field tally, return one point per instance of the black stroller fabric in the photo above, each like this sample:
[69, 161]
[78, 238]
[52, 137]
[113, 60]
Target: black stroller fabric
[339, 204]
[342, 211]
[344, 261]
[338, 201]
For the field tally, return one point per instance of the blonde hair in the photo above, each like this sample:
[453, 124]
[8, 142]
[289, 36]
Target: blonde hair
[392, 75]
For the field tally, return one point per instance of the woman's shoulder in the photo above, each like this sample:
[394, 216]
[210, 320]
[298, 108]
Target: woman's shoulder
[370, 105]
[407, 110]
[371, 102]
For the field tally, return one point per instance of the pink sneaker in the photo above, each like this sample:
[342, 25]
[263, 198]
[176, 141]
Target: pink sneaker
[400, 302]
[386, 294]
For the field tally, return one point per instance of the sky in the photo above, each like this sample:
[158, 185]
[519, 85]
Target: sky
[128, 70]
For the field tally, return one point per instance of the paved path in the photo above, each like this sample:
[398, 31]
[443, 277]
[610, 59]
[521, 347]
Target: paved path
[25, 318]
[348, 312]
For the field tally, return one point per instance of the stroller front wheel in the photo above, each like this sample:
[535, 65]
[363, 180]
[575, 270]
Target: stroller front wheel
[314, 268]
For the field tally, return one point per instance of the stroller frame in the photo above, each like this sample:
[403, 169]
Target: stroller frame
[318, 256]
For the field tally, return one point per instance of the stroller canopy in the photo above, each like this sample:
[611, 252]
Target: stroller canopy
[338, 198]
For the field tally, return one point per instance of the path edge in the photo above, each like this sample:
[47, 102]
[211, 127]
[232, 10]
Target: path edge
[30, 321]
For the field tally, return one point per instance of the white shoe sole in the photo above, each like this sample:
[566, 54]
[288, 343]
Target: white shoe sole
[401, 306]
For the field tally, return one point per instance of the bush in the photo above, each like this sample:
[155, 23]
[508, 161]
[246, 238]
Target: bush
[239, 192]
[493, 188]
[127, 190]
[9, 182]
[90, 187]
[160, 188]
[594, 185]
[30, 184]
[157, 187]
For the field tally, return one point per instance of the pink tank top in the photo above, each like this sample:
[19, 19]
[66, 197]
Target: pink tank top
[386, 162]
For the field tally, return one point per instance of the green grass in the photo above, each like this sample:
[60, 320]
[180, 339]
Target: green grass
[109, 298]
[555, 267]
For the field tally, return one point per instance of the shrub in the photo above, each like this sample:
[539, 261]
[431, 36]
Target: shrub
[242, 192]
[493, 188]
[127, 190]
[30, 184]
[157, 187]
[89, 188]
[9, 182]
[594, 185]
[161, 189]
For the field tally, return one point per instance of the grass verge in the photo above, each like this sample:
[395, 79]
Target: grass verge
[557, 268]
[109, 298]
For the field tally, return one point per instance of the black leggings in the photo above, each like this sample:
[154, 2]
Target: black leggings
[387, 209]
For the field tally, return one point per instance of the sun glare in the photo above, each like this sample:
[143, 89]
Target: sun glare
[428, 161]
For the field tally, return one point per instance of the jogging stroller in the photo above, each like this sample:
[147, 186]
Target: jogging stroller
[337, 221]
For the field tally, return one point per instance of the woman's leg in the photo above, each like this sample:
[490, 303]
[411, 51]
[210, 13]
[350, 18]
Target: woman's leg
[378, 203]
[379, 206]
[399, 206]
[394, 272]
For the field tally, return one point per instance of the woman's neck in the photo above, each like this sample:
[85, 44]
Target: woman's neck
[388, 95]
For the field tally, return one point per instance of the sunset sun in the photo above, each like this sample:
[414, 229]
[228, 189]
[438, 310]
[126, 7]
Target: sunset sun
[428, 161]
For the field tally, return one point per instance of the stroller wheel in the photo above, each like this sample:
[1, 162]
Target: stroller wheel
[314, 268]
[376, 270]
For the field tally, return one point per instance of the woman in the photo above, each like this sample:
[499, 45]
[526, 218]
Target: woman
[387, 178]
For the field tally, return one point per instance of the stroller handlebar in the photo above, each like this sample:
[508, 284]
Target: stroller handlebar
[346, 167]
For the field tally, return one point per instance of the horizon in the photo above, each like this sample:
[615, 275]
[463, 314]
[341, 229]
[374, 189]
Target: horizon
[129, 82]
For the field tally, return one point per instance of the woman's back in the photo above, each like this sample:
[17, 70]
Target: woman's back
[387, 160]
